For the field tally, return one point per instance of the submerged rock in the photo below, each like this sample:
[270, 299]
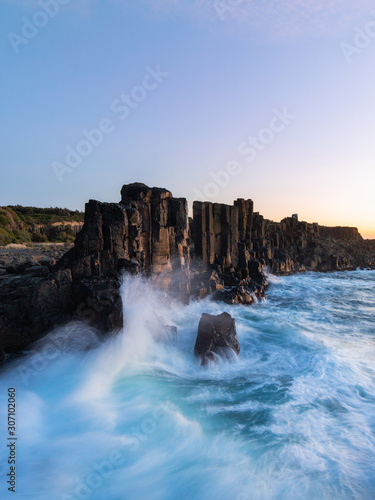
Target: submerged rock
[160, 331]
[216, 335]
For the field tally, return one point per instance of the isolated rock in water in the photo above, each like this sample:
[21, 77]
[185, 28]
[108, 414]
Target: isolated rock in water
[216, 334]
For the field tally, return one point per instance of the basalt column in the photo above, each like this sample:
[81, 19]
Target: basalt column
[215, 233]
[163, 237]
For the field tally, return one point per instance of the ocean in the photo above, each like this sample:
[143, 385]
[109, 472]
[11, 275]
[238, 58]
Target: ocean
[128, 418]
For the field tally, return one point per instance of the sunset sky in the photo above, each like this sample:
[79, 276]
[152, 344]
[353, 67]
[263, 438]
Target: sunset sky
[279, 95]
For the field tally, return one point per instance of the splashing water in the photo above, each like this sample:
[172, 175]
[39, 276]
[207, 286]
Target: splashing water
[129, 418]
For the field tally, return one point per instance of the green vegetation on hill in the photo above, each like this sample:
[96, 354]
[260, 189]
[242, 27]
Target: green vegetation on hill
[30, 224]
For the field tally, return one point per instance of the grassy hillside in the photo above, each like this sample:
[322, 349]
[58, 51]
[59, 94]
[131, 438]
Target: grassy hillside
[30, 224]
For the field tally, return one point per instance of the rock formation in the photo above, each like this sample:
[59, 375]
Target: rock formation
[146, 232]
[216, 335]
[235, 239]
[223, 238]
[224, 252]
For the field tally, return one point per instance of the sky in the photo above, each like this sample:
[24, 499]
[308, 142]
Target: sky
[211, 99]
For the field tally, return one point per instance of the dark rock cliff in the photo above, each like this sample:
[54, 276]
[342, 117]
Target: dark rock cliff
[233, 237]
[146, 232]
[224, 251]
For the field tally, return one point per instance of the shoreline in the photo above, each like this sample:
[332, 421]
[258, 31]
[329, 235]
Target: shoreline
[33, 347]
[224, 252]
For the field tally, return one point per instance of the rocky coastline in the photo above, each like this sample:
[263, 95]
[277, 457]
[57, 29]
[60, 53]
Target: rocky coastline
[223, 251]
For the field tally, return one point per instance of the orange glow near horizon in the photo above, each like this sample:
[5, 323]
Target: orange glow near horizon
[365, 226]
[368, 235]
[272, 212]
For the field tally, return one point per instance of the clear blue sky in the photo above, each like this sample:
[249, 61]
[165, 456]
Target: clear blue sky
[231, 66]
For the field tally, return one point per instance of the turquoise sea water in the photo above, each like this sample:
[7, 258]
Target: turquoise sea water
[130, 419]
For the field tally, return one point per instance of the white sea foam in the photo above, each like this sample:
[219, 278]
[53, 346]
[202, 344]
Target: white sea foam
[293, 417]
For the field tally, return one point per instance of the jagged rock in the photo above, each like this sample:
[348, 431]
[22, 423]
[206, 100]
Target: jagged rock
[204, 282]
[97, 301]
[235, 240]
[236, 295]
[148, 232]
[30, 305]
[216, 335]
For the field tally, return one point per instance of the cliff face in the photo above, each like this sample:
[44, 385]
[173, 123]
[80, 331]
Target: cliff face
[148, 232]
[235, 236]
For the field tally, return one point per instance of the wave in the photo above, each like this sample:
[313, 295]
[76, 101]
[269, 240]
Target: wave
[132, 417]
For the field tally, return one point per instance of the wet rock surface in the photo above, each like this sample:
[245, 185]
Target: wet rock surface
[223, 252]
[216, 336]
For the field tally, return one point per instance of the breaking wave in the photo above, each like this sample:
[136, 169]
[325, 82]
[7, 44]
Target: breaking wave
[130, 417]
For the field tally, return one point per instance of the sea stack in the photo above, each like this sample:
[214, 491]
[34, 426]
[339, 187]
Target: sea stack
[216, 335]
